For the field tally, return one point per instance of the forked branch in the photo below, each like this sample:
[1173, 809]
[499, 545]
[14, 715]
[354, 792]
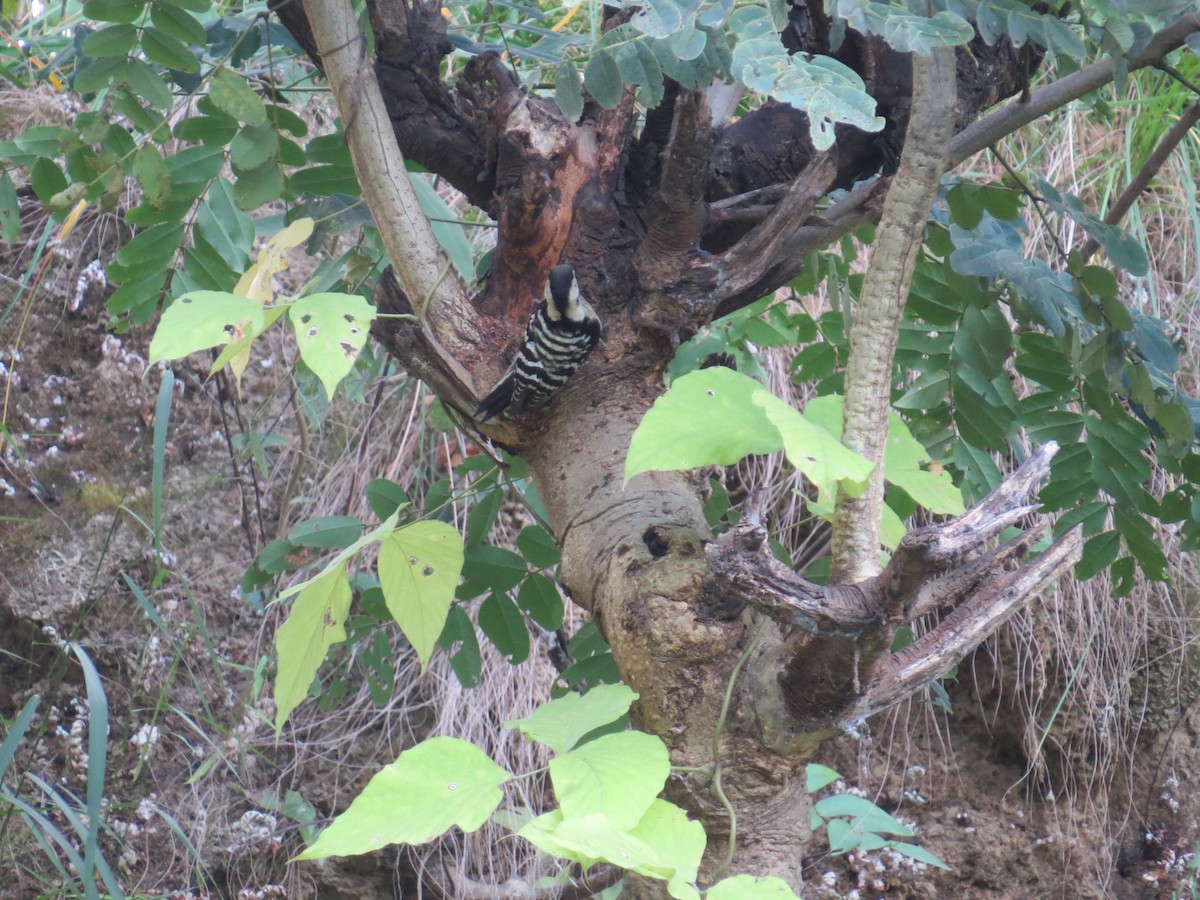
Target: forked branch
[846, 669]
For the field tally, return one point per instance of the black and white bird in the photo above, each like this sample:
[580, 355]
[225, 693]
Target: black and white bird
[561, 333]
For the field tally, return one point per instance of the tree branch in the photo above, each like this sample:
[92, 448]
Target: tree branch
[1172, 139]
[928, 551]
[437, 296]
[747, 261]
[675, 213]
[881, 305]
[742, 566]
[861, 207]
[928, 658]
[936, 566]
[989, 129]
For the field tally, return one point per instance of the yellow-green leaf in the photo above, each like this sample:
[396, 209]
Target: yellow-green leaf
[203, 319]
[419, 567]
[618, 775]
[813, 450]
[440, 783]
[316, 622]
[705, 418]
[331, 329]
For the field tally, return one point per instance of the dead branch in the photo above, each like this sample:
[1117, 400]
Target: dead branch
[844, 665]
[754, 255]
[922, 662]
[675, 213]
[743, 566]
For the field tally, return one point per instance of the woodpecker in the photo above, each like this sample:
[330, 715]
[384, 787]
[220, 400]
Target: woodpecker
[561, 333]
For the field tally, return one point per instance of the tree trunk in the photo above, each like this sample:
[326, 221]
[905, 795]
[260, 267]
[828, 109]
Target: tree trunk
[666, 229]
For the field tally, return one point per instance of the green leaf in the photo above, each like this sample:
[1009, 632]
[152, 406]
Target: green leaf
[385, 497]
[498, 568]
[865, 815]
[419, 567]
[504, 625]
[813, 450]
[200, 320]
[538, 547]
[677, 432]
[168, 51]
[451, 235]
[903, 458]
[145, 81]
[10, 210]
[539, 598]
[817, 776]
[602, 78]
[561, 723]
[542, 833]
[678, 843]
[326, 532]
[278, 556]
[750, 887]
[224, 227]
[459, 641]
[1142, 541]
[568, 91]
[232, 95]
[115, 40]
[617, 775]
[483, 515]
[920, 854]
[440, 783]
[153, 175]
[46, 179]
[177, 23]
[827, 90]
[259, 186]
[113, 10]
[253, 145]
[331, 329]
[317, 620]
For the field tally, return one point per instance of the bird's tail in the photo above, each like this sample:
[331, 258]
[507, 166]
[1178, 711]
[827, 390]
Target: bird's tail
[497, 401]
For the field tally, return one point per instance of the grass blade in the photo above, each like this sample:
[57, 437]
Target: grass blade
[162, 416]
[15, 732]
[97, 759]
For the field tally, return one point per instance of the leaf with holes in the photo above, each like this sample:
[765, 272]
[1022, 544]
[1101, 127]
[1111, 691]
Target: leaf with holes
[316, 622]
[813, 450]
[203, 319]
[419, 566]
[440, 783]
[331, 329]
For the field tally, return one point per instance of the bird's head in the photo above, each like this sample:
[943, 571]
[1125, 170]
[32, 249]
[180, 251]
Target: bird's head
[563, 300]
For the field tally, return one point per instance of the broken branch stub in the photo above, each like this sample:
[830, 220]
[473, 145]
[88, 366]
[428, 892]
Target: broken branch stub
[951, 565]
